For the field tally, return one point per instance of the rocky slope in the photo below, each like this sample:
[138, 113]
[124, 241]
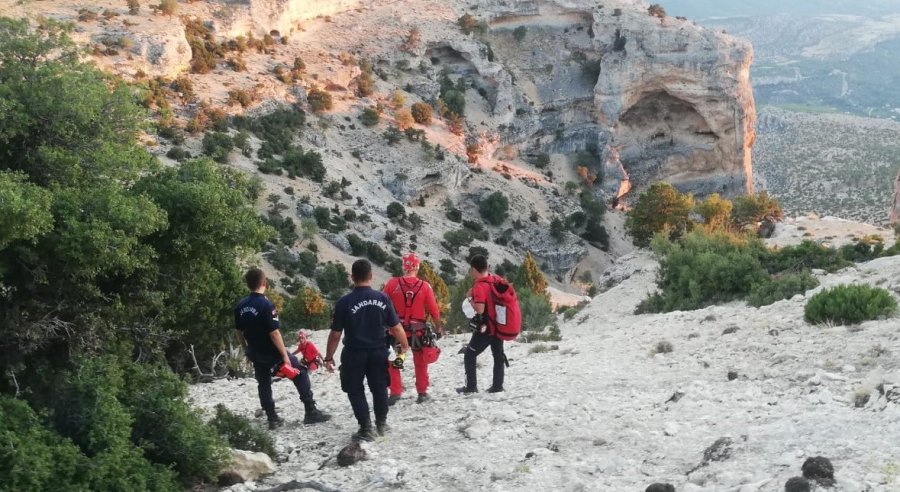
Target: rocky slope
[602, 410]
[557, 93]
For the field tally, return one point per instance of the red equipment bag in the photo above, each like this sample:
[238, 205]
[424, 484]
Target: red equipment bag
[504, 312]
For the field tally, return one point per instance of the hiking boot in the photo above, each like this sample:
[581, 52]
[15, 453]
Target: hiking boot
[423, 398]
[495, 389]
[382, 427]
[393, 399]
[275, 422]
[465, 390]
[365, 433]
[315, 416]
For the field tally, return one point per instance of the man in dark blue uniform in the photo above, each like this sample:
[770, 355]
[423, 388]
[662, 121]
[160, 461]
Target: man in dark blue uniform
[257, 324]
[362, 316]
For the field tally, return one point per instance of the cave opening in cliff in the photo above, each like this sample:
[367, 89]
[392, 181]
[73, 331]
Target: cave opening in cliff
[659, 137]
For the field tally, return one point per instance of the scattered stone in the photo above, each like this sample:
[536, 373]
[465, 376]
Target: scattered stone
[732, 375]
[709, 317]
[820, 470]
[600, 442]
[664, 347]
[675, 397]
[730, 330]
[660, 487]
[693, 335]
[773, 332]
[351, 454]
[228, 478]
[245, 466]
[530, 454]
[670, 429]
[719, 451]
[797, 484]
[553, 447]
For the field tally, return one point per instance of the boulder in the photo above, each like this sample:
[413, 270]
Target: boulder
[245, 466]
[718, 451]
[351, 454]
[797, 484]
[820, 470]
[660, 487]
[339, 241]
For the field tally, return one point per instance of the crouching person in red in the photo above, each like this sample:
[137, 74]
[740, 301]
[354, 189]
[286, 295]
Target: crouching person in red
[413, 299]
[309, 353]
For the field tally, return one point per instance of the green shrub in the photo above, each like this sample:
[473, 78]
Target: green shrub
[807, 255]
[307, 164]
[332, 279]
[165, 425]
[308, 310]
[275, 129]
[494, 208]
[217, 145]
[659, 209]
[241, 433]
[453, 240]
[392, 135]
[704, 269]
[780, 287]
[369, 117]
[849, 304]
[395, 211]
[748, 210]
[519, 33]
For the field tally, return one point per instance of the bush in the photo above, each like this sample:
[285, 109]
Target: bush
[404, 118]
[395, 211]
[715, 210]
[780, 287]
[659, 209]
[657, 10]
[241, 433]
[519, 33]
[849, 304]
[240, 96]
[749, 210]
[332, 279]
[807, 255]
[453, 240]
[704, 269]
[421, 113]
[319, 100]
[494, 208]
[134, 7]
[168, 7]
[393, 135]
[307, 164]
[468, 23]
[217, 145]
[369, 117]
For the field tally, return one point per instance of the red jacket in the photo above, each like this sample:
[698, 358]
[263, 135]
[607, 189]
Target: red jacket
[412, 298]
[310, 355]
[482, 293]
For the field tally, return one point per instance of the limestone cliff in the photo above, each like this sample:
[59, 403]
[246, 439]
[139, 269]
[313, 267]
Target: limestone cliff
[895, 207]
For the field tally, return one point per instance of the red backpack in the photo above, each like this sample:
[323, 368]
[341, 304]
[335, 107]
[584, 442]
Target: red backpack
[503, 310]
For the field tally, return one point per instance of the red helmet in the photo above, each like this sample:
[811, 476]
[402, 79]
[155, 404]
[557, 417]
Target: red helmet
[410, 261]
[430, 353]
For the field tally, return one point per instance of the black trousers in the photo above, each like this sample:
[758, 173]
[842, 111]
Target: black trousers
[262, 370]
[477, 344]
[369, 365]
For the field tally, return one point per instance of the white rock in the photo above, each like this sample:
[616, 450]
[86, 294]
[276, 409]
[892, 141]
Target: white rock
[249, 465]
[670, 429]
[477, 429]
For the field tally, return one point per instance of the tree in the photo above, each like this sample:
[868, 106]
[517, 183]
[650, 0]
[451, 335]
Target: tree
[716, 212]
[332, 279]
[494, 208]
[421, 113]
[752, 209]
[307, 310]
[659, 209]
[657, 10]
[455, 101]
[441, 291]
[531, 276]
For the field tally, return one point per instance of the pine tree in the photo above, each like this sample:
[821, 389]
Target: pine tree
[441, 291]
[532, 277]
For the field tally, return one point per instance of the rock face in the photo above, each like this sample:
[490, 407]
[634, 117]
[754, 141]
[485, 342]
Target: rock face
[284, 16]
[679, 102]
[649, 99]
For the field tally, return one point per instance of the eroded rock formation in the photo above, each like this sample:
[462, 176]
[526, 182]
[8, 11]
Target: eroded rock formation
[895, 207]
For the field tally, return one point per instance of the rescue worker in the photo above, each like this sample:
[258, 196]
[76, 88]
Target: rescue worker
[257, 324]
[413, 298]
[362, 316]
[309, 353]
[482, 334]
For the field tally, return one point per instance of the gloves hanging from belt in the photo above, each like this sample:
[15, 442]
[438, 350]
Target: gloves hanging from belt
[398, 361]
[478, 323]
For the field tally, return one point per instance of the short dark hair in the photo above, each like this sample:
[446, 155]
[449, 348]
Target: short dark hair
[361, 271]
[255, 278]
[479, 263]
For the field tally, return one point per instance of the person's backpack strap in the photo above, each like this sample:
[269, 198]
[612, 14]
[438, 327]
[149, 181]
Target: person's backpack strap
[409, 298]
